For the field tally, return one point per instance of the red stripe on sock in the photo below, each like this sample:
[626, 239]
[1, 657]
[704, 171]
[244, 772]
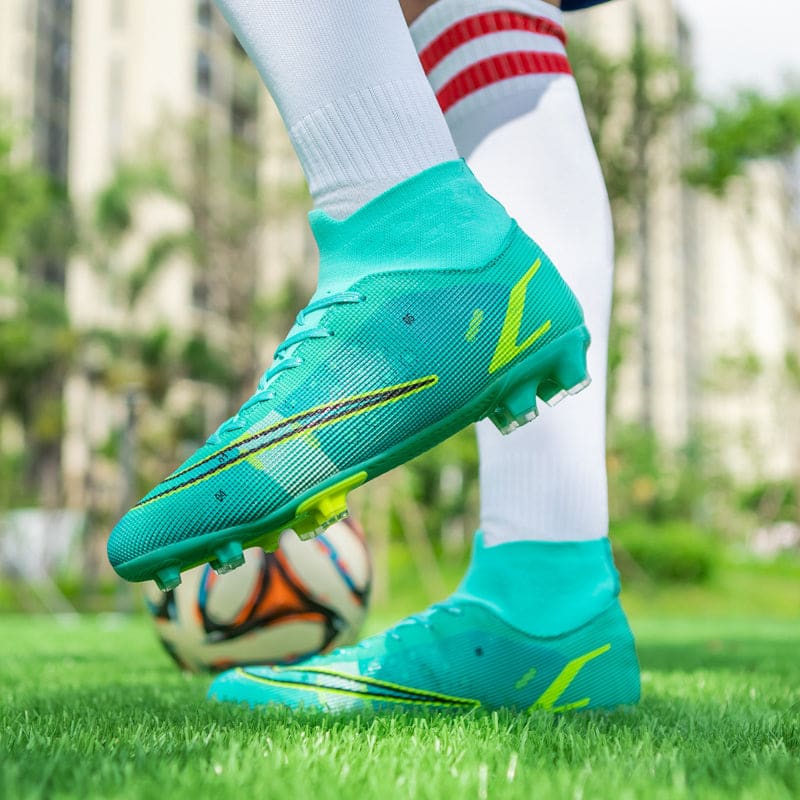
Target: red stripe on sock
[481, 24]
[499, 68]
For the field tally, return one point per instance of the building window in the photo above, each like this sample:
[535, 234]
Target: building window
[203, 74]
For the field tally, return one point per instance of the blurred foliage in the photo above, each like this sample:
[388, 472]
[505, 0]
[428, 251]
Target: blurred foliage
[444, 483]
[667, 552]
[114, 204]
[650, 482]
[630, 101]
[771, 501]
[37, 233]
[752, 126]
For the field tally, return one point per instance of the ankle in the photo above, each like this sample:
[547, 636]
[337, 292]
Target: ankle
[542, 588]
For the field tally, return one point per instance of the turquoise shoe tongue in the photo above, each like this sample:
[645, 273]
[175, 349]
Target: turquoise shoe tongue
[542, 588]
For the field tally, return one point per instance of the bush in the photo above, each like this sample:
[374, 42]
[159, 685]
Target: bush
[670, 552]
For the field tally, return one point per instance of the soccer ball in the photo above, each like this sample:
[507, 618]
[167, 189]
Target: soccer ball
[307, 597]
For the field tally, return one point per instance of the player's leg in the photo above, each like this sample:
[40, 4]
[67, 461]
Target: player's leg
[536, 622]
[433, 309]
[525, 136]
[500, 71]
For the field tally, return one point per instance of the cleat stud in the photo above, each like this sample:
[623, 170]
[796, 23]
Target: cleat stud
[570, 373]
[531, 415]
[579, 387]
[227, 558]
[322, 510]
[556, 398]
[168, 579]
[517, 407]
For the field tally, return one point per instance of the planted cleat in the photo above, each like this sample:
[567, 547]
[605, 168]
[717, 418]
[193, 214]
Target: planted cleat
[416, 331]
[227, 558]
[496, 643]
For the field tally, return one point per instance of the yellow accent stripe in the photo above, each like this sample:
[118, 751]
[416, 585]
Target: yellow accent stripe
[507, 348]
[333, 499]
[474, 325]
[525, 679]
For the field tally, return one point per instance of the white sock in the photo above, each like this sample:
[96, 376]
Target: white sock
[515, 113]
[345, 76]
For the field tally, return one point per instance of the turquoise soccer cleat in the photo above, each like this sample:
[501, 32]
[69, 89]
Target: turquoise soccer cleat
[477, 649]
[433, 311]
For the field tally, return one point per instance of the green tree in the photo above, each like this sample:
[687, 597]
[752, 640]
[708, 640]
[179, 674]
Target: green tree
[37, 232]
[751, 127]
[631, 102]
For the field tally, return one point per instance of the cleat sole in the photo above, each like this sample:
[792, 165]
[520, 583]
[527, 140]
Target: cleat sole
[561, 373]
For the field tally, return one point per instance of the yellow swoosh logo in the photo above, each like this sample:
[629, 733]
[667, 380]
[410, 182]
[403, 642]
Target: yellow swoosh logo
[508, 347]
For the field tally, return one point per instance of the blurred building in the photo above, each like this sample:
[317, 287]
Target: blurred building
[748, 278]
[654, 286]
[99, 83]
[35, 87]
[702, 286]
[708, 287]
[35, 46]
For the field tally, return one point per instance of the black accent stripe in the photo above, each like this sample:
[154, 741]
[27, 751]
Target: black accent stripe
[348, 401]
[386, 694]
[342, 410]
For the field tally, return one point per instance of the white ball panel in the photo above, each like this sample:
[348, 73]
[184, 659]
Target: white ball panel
[230, 593]
[281, 640]
[313, 565]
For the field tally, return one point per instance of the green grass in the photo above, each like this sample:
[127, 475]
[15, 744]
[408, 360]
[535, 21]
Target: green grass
[94, 709]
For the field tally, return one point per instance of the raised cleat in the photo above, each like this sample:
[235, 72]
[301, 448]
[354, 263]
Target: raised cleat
[168, 579]
[537, 629]
[506, 421]
[433, 311]
[579, 387]
[554, 400]
[315, 515]
[227, 558]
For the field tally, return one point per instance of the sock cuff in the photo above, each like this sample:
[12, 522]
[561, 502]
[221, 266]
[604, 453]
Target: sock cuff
[343, 153]
[476, 50]
[542, 588]
[444, 14]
